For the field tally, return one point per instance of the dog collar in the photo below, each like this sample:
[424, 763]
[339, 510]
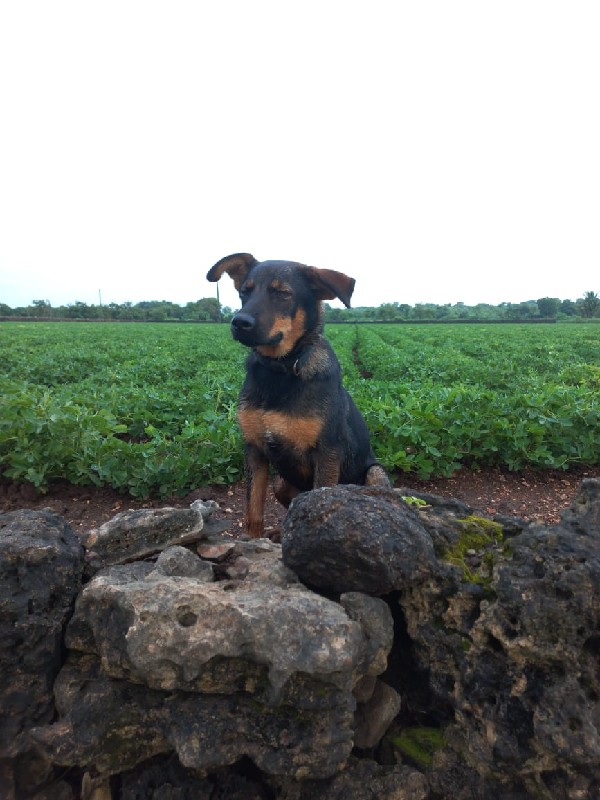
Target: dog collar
[285, 364]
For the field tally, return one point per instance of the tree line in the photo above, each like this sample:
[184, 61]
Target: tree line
[208, 309]
[544, 308]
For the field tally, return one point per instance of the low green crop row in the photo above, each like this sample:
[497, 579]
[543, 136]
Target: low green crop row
[435, 430]
[438, 400]
[150, 409]
[141, 408]
[45, 435]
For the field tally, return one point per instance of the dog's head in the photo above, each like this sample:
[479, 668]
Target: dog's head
[281, 300]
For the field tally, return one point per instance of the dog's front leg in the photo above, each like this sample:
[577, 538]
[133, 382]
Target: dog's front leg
[284, 492]
[327, 471]
[257, 476]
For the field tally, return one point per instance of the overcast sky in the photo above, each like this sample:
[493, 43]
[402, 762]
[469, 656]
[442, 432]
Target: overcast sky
[435, 151]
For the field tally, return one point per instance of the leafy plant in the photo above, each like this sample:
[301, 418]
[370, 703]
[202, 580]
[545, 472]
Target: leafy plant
[151, 409]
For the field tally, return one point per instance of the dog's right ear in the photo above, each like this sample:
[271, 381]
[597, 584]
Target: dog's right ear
[237, 266]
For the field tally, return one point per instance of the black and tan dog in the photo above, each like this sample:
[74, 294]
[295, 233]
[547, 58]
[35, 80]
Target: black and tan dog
[293, 410]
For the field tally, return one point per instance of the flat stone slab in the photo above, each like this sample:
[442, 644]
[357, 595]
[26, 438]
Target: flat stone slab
[133, 535]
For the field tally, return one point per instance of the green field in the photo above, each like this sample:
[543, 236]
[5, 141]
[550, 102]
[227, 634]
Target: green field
[150, 408]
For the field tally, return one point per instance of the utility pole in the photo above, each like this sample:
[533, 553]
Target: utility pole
[100, 297]
[219, 302]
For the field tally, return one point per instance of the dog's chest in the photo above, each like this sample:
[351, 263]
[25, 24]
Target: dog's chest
[267, 428]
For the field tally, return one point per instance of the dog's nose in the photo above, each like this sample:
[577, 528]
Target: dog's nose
[243, 322]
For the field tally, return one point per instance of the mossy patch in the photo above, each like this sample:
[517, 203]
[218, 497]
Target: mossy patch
[419, 744]
[481, 530]
[482, 536]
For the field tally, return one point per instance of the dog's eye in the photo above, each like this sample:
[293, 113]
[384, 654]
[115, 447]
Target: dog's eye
[281, 293]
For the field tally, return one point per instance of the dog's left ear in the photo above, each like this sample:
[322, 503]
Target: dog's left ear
[329, 284]
[237, 266]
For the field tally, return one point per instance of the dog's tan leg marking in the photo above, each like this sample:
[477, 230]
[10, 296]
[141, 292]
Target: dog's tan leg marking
[257, 476]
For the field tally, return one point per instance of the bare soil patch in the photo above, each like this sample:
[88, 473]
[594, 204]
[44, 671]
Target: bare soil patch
[539, 496]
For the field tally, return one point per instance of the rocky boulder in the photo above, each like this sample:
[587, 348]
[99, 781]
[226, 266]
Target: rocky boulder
[360, 538]
[390, 648]
[41, 566]
[507, 638]
[259, 667]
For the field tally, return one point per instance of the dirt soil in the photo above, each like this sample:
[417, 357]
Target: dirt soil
[538, 496]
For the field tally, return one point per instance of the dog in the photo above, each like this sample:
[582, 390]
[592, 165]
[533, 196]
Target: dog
[293, 411]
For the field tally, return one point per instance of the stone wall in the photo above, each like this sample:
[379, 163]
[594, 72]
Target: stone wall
[388, 648]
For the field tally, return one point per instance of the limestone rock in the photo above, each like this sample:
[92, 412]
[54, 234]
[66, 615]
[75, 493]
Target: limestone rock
[41, 566]
[373, 718]
[361, 780]
[115, 725]
[176, 633]
[356, 538]
[515, 657]
[537, 644]
[584, 513]
[216, 552]
[375, 620]
[131, 535]
[179, 561]
[206, 508]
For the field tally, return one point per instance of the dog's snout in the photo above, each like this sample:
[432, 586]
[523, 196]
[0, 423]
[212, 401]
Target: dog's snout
[243, 323]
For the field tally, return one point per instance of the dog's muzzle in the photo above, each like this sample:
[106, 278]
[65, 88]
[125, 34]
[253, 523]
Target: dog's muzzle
[244, 330]
[242, 325]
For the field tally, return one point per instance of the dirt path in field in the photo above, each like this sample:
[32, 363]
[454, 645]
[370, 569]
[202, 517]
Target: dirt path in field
[532, 495]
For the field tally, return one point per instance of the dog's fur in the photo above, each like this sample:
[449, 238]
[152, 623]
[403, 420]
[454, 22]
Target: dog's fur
[293, 410]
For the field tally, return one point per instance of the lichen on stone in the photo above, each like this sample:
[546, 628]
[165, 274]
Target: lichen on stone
[479, 537]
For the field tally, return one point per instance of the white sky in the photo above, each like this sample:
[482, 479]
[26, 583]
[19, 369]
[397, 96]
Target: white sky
[436, 151]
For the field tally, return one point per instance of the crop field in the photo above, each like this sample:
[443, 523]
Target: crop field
[150, 408]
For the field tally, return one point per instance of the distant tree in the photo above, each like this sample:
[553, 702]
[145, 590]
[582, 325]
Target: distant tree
[332, 314]
[42, 308]
[443, 312]
[589, 305]
[460, 311]
[523, 310]
[486, 311]
[548, 306]
[126, 310]
[424, 311]
[78, 310]
[210, 309]
[387, 311]
[568, 308]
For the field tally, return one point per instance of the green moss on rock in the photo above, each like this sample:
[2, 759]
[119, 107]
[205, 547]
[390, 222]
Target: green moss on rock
[419, 744]
[482, 536]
